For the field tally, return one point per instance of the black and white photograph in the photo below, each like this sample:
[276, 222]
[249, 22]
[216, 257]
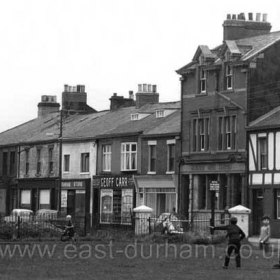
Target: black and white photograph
[139, 139]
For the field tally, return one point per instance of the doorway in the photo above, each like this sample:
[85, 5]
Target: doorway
[257, 212]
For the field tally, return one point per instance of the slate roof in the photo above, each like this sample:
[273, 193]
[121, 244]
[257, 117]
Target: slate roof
[268, 120]
[247, 48]
[84, 126]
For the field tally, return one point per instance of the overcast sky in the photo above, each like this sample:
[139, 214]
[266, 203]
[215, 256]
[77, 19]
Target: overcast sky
[107, 45]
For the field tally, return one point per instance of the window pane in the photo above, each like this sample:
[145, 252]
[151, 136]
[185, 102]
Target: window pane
[44, 199]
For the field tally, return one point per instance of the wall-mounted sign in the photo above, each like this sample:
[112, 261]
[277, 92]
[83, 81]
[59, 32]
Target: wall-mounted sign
[214, 186]
[63, 198]
[112, 182]
[73, 185]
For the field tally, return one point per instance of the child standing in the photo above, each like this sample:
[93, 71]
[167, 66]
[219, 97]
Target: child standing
[265, 234]
[235, 235]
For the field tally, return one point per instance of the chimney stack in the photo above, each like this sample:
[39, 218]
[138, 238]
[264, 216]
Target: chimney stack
[47, 105]
[147, 94]
[117, 102]
[239, 28]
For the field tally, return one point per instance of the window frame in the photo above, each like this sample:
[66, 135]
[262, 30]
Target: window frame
[38, 161]
[202, 81]
[262, 156]
[227, 132]
[169, 145]
[106, 158]
[152, 157]
[85, 163]
[278, 204]
[229, 77]
[50, 153]
[130, 153]
[66, 165]
[201, 134]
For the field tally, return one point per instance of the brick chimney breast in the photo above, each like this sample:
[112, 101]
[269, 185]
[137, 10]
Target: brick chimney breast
[239, 28]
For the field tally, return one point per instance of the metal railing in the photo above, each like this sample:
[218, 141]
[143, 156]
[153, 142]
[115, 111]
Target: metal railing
[29, 226]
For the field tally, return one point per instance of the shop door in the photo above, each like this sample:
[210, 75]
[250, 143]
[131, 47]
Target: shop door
[257, 210]
[71, 203]
[34, 200]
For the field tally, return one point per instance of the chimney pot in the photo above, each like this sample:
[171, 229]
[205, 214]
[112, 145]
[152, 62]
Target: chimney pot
[229, 16]
[242, 16]
[250, 16]
[115, 94]
[258, 17]
[130, 94]
[264, 17]
[65, 87]
[144, 87]
[234, 17]
[154, 88]
[139, 87]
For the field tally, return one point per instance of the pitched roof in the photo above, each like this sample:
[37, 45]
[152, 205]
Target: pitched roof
[246, 47]
[94, 125]
[270, 119]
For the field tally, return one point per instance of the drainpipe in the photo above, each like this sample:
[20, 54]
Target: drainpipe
[60, 164]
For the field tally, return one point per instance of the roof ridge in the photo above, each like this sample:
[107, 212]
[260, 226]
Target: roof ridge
[265, 116]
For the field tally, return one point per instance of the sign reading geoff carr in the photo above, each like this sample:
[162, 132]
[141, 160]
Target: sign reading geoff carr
[112, 182]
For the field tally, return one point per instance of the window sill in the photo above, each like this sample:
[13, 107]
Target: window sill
[151, 173]
[84, 173]
[66, 172]
[170, 172]
[201, 94]
[129, 170]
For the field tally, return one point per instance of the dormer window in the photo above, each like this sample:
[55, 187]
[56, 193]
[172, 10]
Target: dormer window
[202, 81]
[229, 77]
[159, 114]
[134, 117]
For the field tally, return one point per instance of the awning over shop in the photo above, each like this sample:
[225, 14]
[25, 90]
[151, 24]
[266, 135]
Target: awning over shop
[154, 183]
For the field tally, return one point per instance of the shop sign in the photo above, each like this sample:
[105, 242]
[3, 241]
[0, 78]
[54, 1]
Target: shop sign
[214, 186]
[64, 198]
[73, 185]
[112, 182]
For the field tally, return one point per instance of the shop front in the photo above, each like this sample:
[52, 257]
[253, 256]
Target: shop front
[113, 200]
[75, 196]
[157, 192]
[36, 194]
[230, 179]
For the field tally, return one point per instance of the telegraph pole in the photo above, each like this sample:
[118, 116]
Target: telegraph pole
[60, 163]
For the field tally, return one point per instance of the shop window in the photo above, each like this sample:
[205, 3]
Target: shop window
[45, 199]
[171, 157]
[128, 156]
[50, 160]
[262, 153]
[25, 199]
[106, 206]
[116, 206]
[80, 197]
[84, 162]
[66, 163]
[127, 205]
[161, 200]
[106, 158]
[227, 133]
[152, 158]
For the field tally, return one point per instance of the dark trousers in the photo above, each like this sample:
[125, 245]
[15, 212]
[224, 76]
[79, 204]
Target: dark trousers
[233, 246]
